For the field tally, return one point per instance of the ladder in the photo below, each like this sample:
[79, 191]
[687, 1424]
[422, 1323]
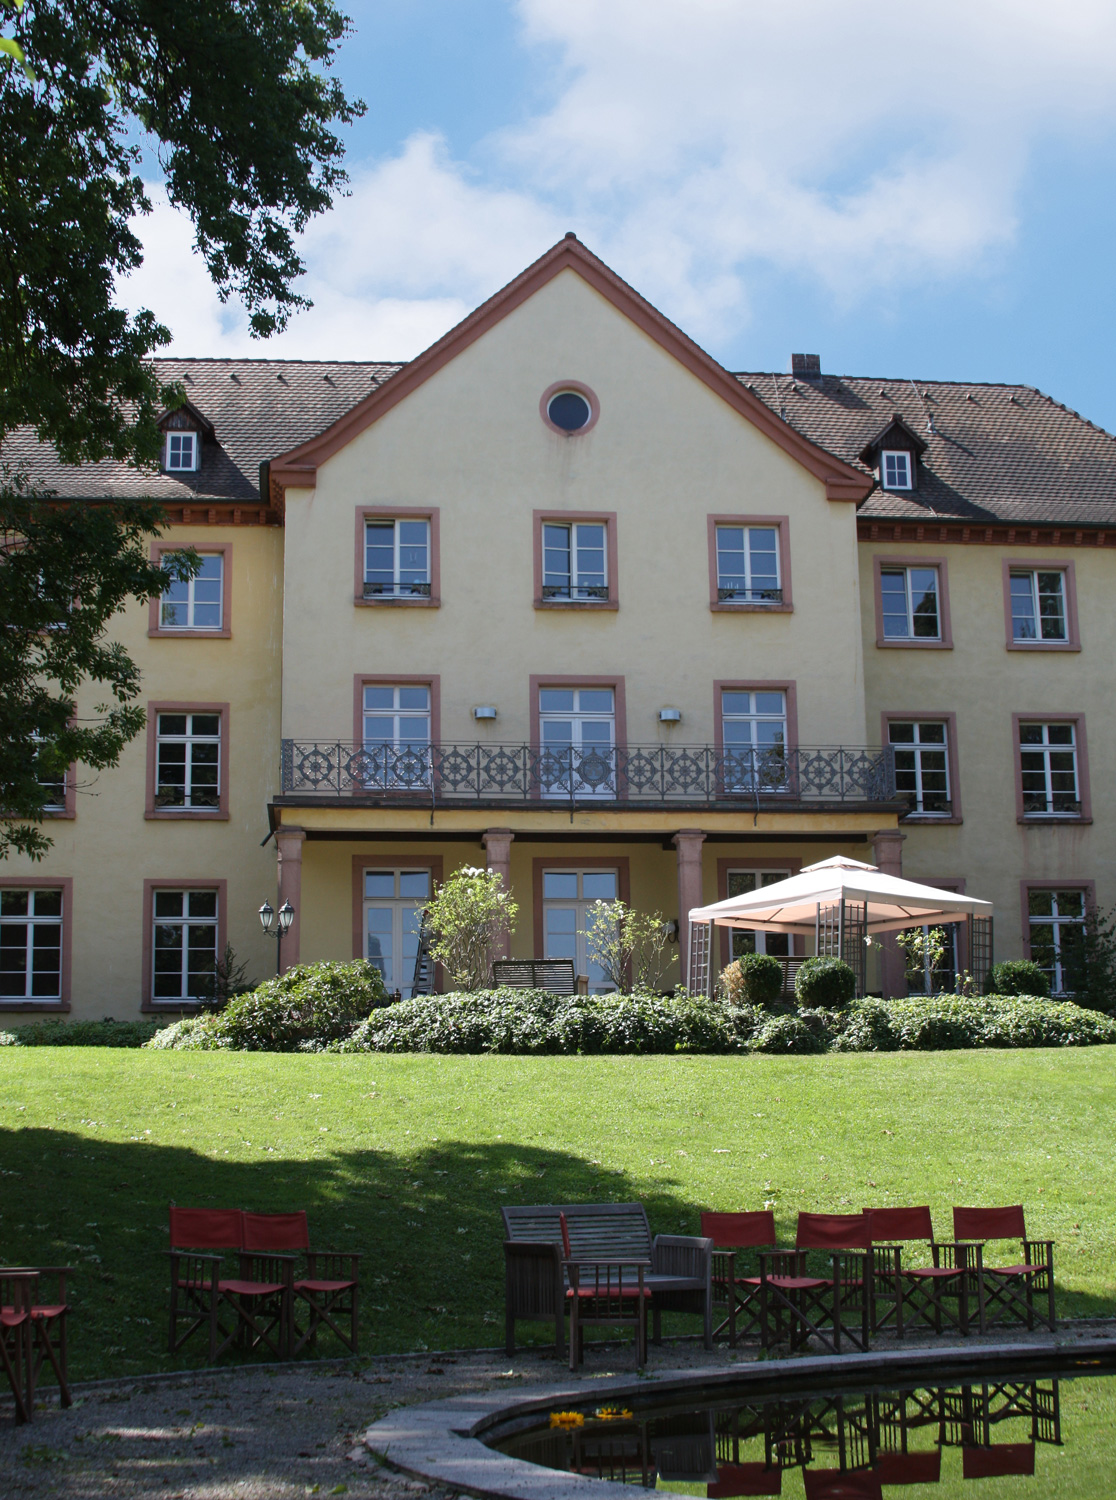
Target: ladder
[422, 981]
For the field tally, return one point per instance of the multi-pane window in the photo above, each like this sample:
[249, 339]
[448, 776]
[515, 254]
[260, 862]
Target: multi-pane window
[181, 451]
[188, 761]
[909, 597]
[54, 785]
[748, 565]
[394, 901]
[196, 603]
[397, 559]
[184, 944]
[1057, 930]
[754, 735]
[397, 736]
[895, 470]
[743, 883]
[31, 944]
[577, 735]
[567, 897]
[1048, 768]
[922, 764]
[1038, 605]
[575, 560]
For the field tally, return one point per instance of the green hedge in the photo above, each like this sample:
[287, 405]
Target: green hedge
[82, 1034]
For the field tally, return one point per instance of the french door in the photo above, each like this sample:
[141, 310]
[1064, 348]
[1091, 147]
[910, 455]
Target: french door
[567, 897]
[577, 736]
[742, 883]
[394, 901]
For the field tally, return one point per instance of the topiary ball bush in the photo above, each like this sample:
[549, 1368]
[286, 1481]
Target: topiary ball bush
[1018, 976]
[753, 979]
[825, 984]
[310, 1006]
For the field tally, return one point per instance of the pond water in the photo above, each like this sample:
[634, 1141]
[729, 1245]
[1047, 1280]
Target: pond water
[994, 1435]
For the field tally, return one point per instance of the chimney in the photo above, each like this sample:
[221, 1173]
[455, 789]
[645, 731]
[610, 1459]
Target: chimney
[806, 366]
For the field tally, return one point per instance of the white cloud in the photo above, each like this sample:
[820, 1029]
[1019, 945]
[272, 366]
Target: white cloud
[861, 145]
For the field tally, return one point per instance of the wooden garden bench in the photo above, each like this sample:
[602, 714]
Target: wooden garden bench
[678, 1274]
[554, 975]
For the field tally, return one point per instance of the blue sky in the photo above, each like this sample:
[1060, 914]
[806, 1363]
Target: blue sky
[913, 190]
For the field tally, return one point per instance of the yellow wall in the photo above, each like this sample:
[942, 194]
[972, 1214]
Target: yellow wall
[109, 849]
[984, 683]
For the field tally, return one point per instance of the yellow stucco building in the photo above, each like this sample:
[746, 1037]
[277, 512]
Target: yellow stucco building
[564, 597]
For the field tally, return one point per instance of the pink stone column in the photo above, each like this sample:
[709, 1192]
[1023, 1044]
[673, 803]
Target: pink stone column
[887, 846]
[289, 842]
[497, 848]
[688, 842]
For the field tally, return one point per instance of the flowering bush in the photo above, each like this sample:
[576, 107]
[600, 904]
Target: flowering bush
[469, 918]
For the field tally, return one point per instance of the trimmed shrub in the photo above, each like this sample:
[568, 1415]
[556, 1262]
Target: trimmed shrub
[827, 983]
[947, 1022]
[791, 1033]
[753, 979]
[1018, 976]
[82, 1034]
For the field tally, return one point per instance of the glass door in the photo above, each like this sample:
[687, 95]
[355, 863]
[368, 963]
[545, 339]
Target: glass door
[394, 901]
[567, 896]
[396, 737]
[742, 883]
[577, 736]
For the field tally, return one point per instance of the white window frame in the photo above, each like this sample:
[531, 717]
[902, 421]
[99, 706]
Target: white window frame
[1057, 923]
[182, 437]
[406, 920]
[580, 905]
[750, 594]
[1036, 595]
[184, 922]
[556, 778]
[32, 925]
[764, 754]
[900, 459]
[576, 587]
[760, 940]
[191, 603]
[1042, 751]
[916, 748]
[397, 586]
[890, 570]
[402, 762]
[191, 739]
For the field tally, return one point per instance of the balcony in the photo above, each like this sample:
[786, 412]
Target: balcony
[649, 776]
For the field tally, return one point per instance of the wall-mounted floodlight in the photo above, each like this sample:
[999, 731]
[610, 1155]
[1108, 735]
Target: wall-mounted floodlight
[485, 711]
[670, 716]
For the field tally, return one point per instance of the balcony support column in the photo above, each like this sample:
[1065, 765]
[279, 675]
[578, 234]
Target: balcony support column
[497, 848]
[289, 842]
[887, 846]
[688, 842]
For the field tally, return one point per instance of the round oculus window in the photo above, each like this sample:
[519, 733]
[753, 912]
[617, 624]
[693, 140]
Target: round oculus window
[569, 410]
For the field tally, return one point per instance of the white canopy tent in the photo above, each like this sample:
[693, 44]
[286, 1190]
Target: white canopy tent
[840, 902]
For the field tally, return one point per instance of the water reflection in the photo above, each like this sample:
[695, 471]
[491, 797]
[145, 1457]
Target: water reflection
[846, 1446]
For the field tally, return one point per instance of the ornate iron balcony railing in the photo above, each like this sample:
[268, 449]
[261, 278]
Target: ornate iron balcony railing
[749, 596]
[649, 775]
[575, 590]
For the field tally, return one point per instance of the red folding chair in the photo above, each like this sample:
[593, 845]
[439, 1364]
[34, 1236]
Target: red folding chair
[924, 1467]
[744, 1479]
[17, 1293]
[820, 1306]
[48, 1326]
[737, 1294]
[1008, 1293]
[330, 1286]
[997, 1460]
[605, 1292]
[923, 1291]
[259, 1299]
[835, 1484]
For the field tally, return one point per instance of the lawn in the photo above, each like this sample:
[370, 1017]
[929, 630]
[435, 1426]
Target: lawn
[407, 1159]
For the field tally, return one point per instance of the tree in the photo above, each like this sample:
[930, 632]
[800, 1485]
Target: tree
[235, 98]
[469, 917]
[630, 946]
[64, 573]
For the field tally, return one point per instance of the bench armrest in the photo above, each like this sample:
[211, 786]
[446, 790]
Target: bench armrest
[532, 1250]
[682, 1255]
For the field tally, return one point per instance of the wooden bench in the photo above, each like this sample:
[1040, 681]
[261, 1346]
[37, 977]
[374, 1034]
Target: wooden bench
[554, 975]
[679, 1267]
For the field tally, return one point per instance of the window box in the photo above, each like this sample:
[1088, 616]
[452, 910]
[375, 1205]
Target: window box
[749, 564]
[1040, 606]
[575, 560]
[912, 603]
[397, 557]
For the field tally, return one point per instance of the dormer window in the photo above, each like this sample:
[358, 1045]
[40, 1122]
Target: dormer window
[895, 469]
[181, 452]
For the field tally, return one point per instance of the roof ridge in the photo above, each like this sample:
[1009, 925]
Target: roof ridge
[230, 359]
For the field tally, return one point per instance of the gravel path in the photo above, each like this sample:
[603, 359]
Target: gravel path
[274, 1434]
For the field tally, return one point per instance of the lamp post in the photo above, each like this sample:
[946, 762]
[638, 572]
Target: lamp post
[267, 919]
